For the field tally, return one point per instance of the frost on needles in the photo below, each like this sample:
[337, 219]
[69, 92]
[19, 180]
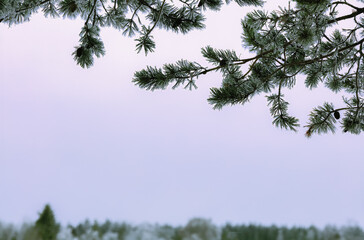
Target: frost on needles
[286, 42]
[135, 18]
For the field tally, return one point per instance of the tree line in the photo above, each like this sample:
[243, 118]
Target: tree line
[47, 228]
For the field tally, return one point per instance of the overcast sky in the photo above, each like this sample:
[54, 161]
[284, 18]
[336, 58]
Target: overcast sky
[95, 146]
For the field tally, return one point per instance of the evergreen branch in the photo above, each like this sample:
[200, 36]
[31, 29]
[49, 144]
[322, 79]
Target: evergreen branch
[243, 61]
[354, 14]
[315, 125]
[250, 68]
[279, 106]
[131, 24]
[279, 111]
[322, 122]
[27, 8]
[309, 61]
[230, 95]
[95, 15]
[335, 60]
[103, 6]
[357, 86]
[154, 78]
[187, 3]
[359, 24]
[357, 77]
[346, 3]
[223, 96]
[146, 4]
[297, 72]
[155, 23]
[92, 9]
[135, 12]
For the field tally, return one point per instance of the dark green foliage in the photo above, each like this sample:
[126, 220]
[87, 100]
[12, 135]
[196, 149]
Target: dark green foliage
[50, 9]
[2, 4]
[7, 232]
[80, 229]
[353, 120]
[145, 42]
[211, 4]
[90, 45]
[197, 228]
[139, 17]
[288, 42]
[165, 232]
[249, 2]
[278, 110]
[237, 232]
[312, 1]
[69, 8]
[321, 120]
[46, 226]
[181, 73]
[219, 57]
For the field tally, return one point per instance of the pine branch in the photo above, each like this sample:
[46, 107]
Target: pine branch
[354, 14]
[159, 15]
[322, 124]
[346, 3]
[27, 8]
[89, 15]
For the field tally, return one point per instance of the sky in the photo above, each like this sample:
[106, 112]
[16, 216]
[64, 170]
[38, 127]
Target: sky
[93, 145]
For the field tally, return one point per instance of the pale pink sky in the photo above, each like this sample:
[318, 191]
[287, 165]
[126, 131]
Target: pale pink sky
[95, 146]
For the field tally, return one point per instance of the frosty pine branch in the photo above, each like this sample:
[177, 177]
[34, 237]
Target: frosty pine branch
[286, 42]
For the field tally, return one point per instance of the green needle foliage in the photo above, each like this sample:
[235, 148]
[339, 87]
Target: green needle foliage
[133, 17]
[286, 42]
[46, 226]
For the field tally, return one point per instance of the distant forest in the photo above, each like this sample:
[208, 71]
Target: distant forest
[46, 228]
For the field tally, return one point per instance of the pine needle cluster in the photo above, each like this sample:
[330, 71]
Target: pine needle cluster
[287, 42]
[135, 18]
